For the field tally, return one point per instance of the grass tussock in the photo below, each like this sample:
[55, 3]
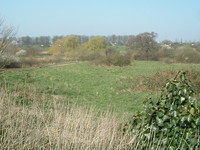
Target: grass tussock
[56, 126]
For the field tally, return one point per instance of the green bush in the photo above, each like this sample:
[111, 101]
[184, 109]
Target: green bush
[89, 56]
[110, 57]
[187, 54]
[172, 121]
[166, 52]
[140, 55]
[113, 58]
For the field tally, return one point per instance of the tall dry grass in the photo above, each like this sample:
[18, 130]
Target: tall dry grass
[56, 126]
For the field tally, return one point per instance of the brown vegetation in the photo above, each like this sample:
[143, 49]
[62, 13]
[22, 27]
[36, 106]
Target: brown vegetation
[56, 126]
[156, 82]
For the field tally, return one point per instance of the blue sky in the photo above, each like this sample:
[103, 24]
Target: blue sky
[171, 19]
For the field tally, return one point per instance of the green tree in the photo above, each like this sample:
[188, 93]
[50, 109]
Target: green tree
[65, 45]
[58, 47]
[71, 42]
[97, 44]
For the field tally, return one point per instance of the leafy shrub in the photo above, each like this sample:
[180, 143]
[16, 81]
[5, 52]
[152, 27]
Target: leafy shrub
[187, 55]
[118, 59]
[166, 52]
[113, 59]
[140, 55]
[110, 57]
[172, 121]
[89, 56]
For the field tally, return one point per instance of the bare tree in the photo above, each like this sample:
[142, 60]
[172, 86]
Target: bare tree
[6, 37]
[145, 42]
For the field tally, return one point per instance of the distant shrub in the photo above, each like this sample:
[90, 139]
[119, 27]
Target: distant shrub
[114, 58]
[89, 56]
[9, 61]
[152, 83]
[140, 55]
[166, 52]
[187, 55]
[155, 82]
[21, 53]
[29, 61]
[33, 50]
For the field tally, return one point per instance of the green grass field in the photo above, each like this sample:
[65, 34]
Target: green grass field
[84, 84]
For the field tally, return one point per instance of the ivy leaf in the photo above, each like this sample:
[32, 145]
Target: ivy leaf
[171, 148]
[182, 99]
[192, 111]
[165, 117]
[193, 141]
[164, 141]
[175, 114]
[183, 119]
[159, 121]
[189, 118]
[194, 89]
[197, 121]
[182, 77]
[184, 90]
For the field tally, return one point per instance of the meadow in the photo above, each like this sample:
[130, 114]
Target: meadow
[105, 88]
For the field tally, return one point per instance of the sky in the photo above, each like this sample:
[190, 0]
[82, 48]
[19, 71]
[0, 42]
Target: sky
[176, 20]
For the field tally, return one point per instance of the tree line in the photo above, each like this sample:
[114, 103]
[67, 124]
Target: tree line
[115, 40]
[48, 40]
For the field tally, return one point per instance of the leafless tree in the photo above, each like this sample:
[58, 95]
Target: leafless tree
[145, 42]
[6, 37]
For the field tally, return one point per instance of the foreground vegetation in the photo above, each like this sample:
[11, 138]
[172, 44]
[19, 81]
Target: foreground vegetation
[171, 121]
[67, 107]
[53, 125]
